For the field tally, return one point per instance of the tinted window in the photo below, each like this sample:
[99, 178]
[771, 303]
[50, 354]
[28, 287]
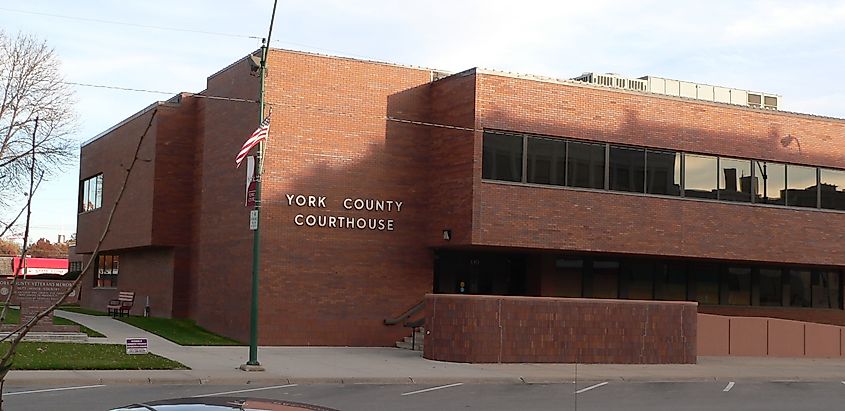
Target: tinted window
[771, 287]
[833, 189]
[670, 282]
[639, 281]
[605, 279]
[586, 165]
[801, 186]
[770, 181]
[799, 288]
[546, 161]
[568, 280]
[663, 172]
[627, 169]
[734, 180]
[502, 157]
[700, 176]
[737, 286]
[825, 289]
[706, 280]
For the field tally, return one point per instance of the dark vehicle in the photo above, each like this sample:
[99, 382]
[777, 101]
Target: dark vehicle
[222, 404]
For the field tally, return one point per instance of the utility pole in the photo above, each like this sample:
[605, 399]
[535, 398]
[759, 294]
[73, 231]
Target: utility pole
[253, 364]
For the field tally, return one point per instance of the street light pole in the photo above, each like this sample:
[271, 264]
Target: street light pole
[253, 364]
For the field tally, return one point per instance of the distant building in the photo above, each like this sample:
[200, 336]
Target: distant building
[384, 183]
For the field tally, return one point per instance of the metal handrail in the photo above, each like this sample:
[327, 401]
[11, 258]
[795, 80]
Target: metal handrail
[407, 314]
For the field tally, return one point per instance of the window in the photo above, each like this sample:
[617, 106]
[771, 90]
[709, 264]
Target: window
[627, 169]
[825, 289]
[586, 165]
[832, 189]
[663, 172]
[75, 266]
[734, 180]
[546, 161]
[568, 277]
[502, 157]
[801, 187]
[770, 182]
[106, 269]
[700, 176]
[771, 287]
[799, 288]
[737, 287]
[91, 193]
[670, 282]
[706, 280]
[605, 279]
[639, 280]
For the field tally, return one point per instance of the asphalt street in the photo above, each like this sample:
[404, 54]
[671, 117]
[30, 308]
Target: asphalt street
[593, 395]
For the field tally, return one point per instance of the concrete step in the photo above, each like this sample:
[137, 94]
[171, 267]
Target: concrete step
[419, 338]
[407, 345]
[54, 337]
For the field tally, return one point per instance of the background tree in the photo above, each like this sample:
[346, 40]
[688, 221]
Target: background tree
[31, 86]
[43, 248]
[9, 248]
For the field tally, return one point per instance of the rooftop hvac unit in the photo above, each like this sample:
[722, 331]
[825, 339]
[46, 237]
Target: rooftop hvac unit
[613, 80]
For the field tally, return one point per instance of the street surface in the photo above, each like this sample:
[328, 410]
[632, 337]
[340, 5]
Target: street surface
[592, 395]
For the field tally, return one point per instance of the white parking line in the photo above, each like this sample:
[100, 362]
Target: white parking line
[55, 389]
[249, 390]
[729, 386]
[434, 388]
[601, 384]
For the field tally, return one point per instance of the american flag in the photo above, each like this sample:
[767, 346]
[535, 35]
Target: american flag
[259, 135]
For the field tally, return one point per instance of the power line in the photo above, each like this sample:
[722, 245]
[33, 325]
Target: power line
[170, 93]
[123, 23]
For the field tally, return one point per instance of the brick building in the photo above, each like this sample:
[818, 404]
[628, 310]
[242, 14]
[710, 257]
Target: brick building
[383, 183]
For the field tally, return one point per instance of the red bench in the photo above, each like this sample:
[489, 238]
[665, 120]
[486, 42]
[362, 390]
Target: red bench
[122, 304]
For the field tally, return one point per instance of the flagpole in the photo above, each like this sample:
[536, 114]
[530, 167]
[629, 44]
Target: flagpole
[253, 364]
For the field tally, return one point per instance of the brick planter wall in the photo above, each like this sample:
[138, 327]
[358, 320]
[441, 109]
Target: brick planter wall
[497, 329]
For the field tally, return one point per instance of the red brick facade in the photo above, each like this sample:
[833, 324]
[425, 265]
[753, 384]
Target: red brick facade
[344, 130]
[490, 329]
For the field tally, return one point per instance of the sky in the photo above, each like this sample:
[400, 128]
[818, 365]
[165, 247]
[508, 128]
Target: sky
[794, 49]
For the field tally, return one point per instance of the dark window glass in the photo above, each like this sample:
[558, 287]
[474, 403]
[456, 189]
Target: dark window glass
[586, 165]
[107, 268]
[700, 176]
[663, 172]
[502, 157]
[771, 287]
[605, 279]
[627, 169]
[546, 161]
[639, 280]
[670, 282]
[770, 182]
[799, 288]
[825, 289]
[833, 189]
[734, 180]
[801, 186]
[737, 286]
[568, 280]
[706, 279]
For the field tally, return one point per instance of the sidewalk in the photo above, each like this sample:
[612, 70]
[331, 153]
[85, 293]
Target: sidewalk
[303, 365]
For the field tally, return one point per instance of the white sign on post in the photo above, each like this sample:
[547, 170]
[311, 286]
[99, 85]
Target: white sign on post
[253, 220]
[136, 346]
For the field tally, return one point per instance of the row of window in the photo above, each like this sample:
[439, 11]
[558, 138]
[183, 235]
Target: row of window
[91, 193]
[106, 271]
[553, 161]
[706, 283]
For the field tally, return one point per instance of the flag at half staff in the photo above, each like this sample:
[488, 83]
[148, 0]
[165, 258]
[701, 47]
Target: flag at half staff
[259, 135]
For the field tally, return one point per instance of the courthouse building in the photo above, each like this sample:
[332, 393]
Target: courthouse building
[384, 183]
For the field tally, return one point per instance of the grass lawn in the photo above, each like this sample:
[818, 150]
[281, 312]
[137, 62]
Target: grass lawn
[81, 310]
[13, 316]
[71, 356]
[180, 331]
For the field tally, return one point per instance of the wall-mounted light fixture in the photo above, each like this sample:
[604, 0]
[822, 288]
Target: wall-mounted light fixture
[447, 234]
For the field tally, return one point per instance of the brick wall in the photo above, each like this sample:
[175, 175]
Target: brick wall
[491, 329]
[147, 272]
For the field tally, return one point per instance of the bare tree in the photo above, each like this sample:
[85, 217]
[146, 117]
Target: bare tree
[31, 86]
[16, 336]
